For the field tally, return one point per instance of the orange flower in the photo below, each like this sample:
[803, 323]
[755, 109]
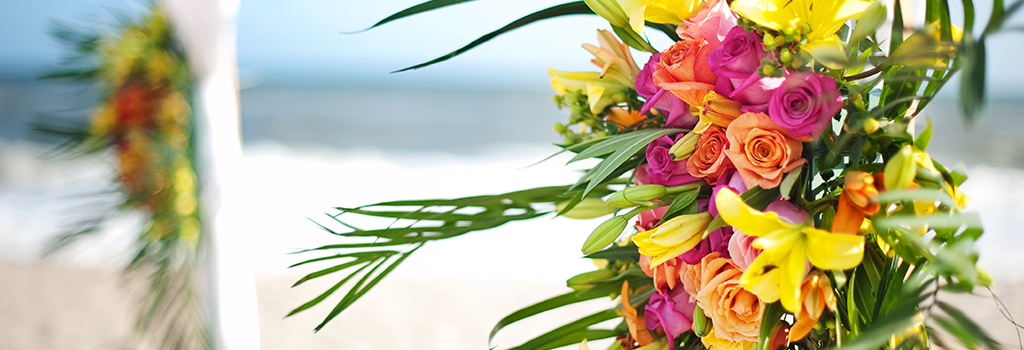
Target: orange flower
[860, 190]
[666, 275]
[816, 291]
[637, 326]
[622, 117]
[848, 218]
[683, 70]
[719, 110]
[715, 284]
[708, 160]
[761, 150]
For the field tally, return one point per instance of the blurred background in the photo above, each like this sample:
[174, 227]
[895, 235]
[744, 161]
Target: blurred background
[324, 124]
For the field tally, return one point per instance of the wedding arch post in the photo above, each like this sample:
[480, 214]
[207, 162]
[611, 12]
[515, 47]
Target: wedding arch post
[208, 30]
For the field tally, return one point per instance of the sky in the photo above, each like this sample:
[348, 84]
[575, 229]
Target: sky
[302, 42]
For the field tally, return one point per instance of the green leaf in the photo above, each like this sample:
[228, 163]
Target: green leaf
[624, 153]
[918, 195]
[681, 201]
[546, 305]
[926, 136]
[897, 322]
[355, 293]
[572, 8]
[633, 39]
[972, 83]
[955, 220]
[541, 341]
[610, 144]
[965, 330]
[627, 252]
[770, 316]
[417, 9]
[326, 294]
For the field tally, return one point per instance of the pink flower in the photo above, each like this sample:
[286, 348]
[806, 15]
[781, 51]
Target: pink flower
[711, 23]
[678, 112]
[730, 179]
[661, 168]
[804, 104]
[716, 242]
[673, 312]
[736, 63]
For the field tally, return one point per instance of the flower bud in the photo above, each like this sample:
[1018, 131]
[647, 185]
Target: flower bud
[900, 170]
[769, 40]
[636, 195]
[588, 208]
[610, 11]
[785, 56]
[683, 148]
[586, 280]
[701, 322]
[870, 20]
[605, 234]
[780, 336]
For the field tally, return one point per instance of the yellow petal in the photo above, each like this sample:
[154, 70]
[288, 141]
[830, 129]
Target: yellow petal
[793, 274]
[762, 279]
[744, 218]
[831, 251]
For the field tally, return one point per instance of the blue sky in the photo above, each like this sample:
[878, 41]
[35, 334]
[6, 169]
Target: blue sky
[301, 42]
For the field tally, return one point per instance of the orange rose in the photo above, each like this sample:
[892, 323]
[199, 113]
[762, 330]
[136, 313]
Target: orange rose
[684, 71]
[666, 275]
[761, 150]
[715, 284]
[708, 160]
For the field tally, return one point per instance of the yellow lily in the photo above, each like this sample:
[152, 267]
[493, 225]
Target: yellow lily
[658, 11]
[776, 274]
[823, 17]
[672, 238]
[601, 92]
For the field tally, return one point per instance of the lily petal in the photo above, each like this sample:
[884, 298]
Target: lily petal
[831, 251]
[735, 212]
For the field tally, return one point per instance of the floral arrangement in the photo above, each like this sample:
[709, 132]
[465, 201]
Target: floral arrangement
[764, 180]
[145, 122]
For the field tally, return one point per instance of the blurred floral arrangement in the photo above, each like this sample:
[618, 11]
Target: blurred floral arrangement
[764, 180]
[145, 123]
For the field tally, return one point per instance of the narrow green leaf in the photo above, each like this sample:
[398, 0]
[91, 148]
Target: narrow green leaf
[883, 329]
[572, 8]
[558, 333]
[926, 136]
[978, 333]
[634, 40]
[546, 305]
[972, 83]
[681, 201]
[578, 336]
[627, 252]
[331, 270]
[417, 9]
[770, 316]
[920, 195]
[326, 294]
[935, 221]
[610, 144]
[607, 166]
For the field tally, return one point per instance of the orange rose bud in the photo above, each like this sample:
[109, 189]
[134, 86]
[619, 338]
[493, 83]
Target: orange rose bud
[637, 326]
[817, 295]
[861, 192]
[848, 217]
[622, 117]
[684, 71]
[665, 276]
[719, 110]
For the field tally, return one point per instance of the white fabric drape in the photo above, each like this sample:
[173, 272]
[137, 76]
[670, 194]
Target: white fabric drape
[207, 30]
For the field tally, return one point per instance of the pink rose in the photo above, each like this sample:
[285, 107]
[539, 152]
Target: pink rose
[716, 242]
[804, 104]
[678, 112]
[736, 63]
[673, 312]
[711, 23]
[661, 168]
